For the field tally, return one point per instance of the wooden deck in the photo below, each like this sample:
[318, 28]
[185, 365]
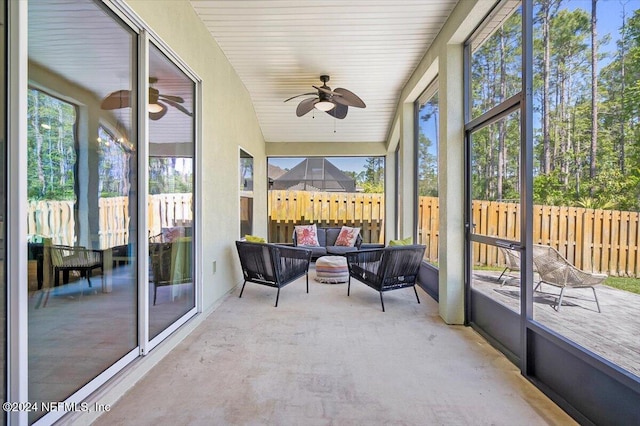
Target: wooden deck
[613, 334]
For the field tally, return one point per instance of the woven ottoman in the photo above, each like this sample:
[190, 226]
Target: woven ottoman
[332, 270]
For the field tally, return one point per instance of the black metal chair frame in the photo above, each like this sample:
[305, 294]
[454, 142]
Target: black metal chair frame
[272, 265]
[386, 269]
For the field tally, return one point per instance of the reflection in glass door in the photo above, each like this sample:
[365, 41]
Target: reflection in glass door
[82, 267]
[170, 198]
[3, 199]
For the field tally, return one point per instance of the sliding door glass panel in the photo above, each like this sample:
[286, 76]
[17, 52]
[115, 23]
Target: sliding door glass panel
[495, 202]
[246, 193]
[170, 198]
[427, 148]
[3, 200]
[586, 213]
[496, 61]
[81, 234]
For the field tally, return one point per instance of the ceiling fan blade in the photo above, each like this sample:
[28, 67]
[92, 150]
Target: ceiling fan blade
[339, 112]
[348, 98]
[172, 98]
[323, 89]
[305, 106]
[118, 99]
[158, 115]
[177, 106]
[297, 96]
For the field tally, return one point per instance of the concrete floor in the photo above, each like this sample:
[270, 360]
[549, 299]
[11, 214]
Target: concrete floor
[327, 359]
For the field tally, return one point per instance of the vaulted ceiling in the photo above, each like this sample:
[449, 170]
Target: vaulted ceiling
[279, 48]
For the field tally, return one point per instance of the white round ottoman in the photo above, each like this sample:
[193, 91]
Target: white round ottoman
[332, 270]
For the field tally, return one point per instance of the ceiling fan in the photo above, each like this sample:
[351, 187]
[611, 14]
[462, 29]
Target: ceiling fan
[157, 101]
[336, 102]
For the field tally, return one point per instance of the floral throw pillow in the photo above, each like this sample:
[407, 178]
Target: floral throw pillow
[307, 235]
[347, 236]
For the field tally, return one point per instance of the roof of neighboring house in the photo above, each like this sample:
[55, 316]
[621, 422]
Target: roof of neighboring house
[315, 173]
[274, 172]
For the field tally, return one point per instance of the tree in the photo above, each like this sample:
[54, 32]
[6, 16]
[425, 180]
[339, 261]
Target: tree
[594, 92]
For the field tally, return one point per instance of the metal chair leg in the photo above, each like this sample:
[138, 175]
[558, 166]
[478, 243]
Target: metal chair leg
[596, 297]
[560, 299]
[505, 278]
[382, 301]
[307, 276]
[416, 290]
[243, 284]
[348, 286]
[277, 297]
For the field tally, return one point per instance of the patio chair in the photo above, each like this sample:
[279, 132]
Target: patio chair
[386, 269]
[272, 265]
[170, 263]
[512, 260]
[557, 271]
[66, 258]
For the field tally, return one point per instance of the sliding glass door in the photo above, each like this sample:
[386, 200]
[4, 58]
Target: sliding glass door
[3, 200]
[82, 228]
[171, 192]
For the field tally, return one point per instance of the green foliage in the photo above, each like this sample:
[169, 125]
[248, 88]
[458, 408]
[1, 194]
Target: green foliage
[372, 187]
[562, 174]
[166, 178]
[51, 148]
[627, 284]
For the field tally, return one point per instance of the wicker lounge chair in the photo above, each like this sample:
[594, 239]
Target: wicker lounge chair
[555, 270]
[66, 258]
[512, 260]
[272, 265]
[386, 269]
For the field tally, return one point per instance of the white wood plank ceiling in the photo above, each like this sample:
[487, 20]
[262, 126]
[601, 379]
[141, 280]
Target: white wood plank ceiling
[279, 48]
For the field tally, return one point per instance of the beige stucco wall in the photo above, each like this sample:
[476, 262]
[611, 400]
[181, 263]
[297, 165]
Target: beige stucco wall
[228, 124]
[444, 60]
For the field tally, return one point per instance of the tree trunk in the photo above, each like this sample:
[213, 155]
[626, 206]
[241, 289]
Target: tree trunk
[546, 139]
[594, 95]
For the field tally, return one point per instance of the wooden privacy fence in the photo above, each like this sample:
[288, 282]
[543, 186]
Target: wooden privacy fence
[290, 208]
[605, 241]
[55, 219]
[52, 219]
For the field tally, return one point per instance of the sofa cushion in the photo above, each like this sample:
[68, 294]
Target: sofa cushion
[307, 236]
[332, 236]
[347, 236]
[340, 250]
[317, 251]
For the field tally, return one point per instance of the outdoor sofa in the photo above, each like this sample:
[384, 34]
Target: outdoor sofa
[326, 238]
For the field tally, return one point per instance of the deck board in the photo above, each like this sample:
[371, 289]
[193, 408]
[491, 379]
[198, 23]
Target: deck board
[614, 334]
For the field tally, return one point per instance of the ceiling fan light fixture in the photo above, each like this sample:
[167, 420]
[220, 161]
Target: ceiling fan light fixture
[155, 108]
[325, 106]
